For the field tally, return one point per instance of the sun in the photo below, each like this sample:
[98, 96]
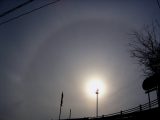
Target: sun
[93, 84]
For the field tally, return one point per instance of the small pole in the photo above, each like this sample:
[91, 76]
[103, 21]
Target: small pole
[149, 100]
[140, 108]
[158, 95]
[70, 114]
[121, 112]
[61, 106]
[97, 92]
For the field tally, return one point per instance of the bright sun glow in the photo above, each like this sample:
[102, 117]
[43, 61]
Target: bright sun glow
[93, 84]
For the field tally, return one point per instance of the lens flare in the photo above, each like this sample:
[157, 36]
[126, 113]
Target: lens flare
[93, 84]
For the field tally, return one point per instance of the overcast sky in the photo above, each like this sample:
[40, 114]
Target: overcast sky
[58, 47]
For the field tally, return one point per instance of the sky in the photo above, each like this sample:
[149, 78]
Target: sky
[61, 47]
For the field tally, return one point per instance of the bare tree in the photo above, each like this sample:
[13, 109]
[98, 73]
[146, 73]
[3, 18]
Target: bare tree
[145, 47]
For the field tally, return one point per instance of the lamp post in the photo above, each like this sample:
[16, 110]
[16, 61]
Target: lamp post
[97, 92]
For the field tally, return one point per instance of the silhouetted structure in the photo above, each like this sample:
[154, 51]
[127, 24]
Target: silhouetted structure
[152, 84]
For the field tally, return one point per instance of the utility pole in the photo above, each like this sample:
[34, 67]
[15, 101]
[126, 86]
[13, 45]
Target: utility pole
[97, 92]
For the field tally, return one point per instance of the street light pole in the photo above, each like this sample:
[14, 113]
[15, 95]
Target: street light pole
[97, 92]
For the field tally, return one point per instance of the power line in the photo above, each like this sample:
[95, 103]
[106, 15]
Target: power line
[26, 13]
[158, 3]
[15, 8]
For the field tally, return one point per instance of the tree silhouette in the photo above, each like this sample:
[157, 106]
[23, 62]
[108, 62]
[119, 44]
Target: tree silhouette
[145, 47]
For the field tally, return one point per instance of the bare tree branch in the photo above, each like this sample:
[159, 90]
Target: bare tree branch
[145, 48]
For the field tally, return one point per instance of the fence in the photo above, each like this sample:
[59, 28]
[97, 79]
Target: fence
[146, 106]
[140, 108]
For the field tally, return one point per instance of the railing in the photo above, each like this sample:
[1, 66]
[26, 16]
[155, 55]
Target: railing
[146, 106]
[140, 108]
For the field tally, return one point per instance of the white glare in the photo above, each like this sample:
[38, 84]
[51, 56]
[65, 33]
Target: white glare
[93, 84]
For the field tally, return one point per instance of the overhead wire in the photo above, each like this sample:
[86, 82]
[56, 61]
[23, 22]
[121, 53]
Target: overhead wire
[26, 13]
[158, 3]
[15, 8]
